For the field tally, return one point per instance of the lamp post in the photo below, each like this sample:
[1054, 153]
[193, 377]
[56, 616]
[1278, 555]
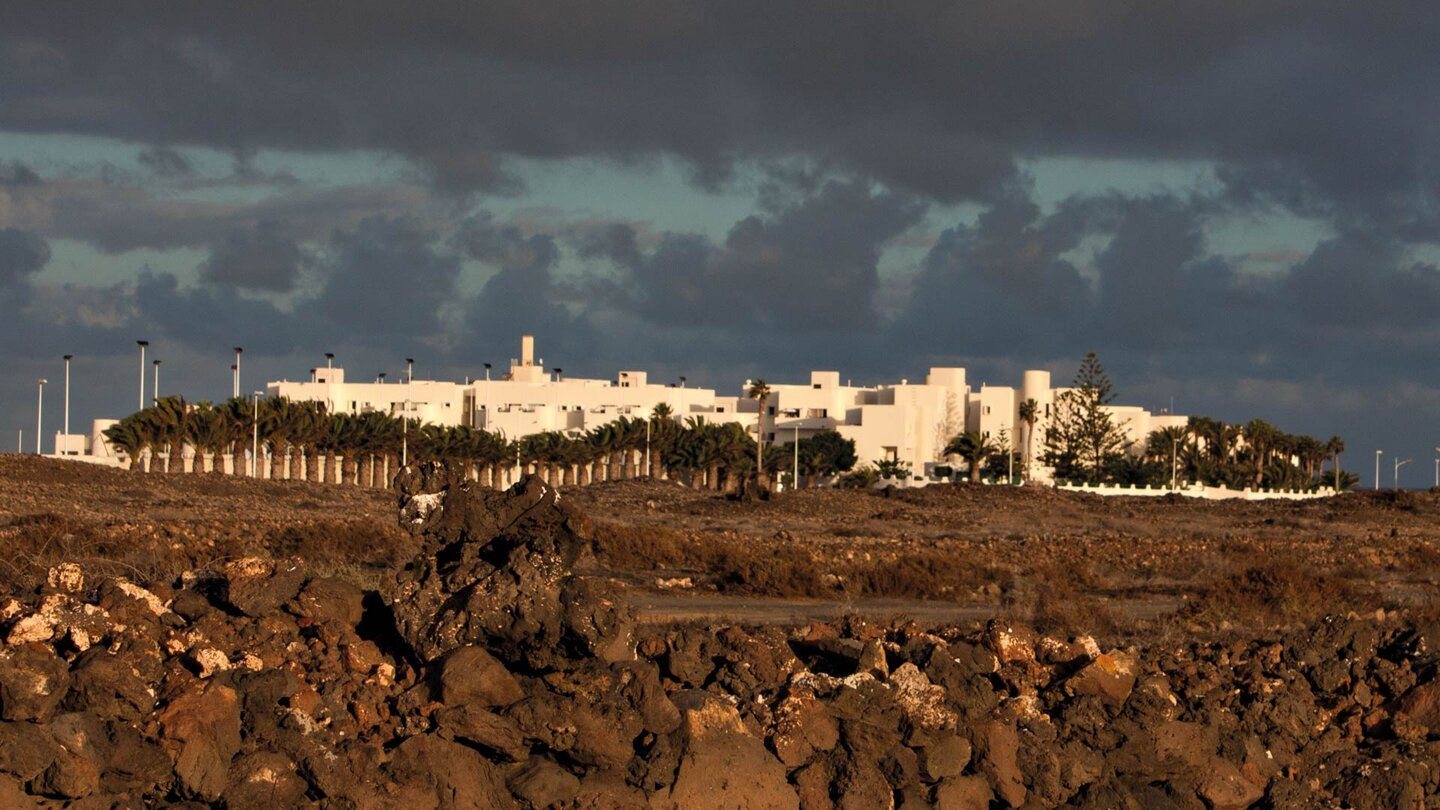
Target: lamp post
[142, 344]
[647, 443]
[1437, 469]
[405, 434]
[795, 474]
[1398, 465]
[39, 413]
[682, 398]
[1174, 448]
[486, 403]
[67, 395]
[329, 360]
[235, 371]
[409, 369]
[255, 436]
[156, 388]
[1377, 469]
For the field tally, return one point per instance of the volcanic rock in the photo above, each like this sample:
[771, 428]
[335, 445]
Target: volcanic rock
[495, 572]
[722, 765]
[33, 681]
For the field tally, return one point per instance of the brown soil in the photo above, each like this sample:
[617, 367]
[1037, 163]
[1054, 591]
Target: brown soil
[151, 527]
[1059, 561]
[494, 665]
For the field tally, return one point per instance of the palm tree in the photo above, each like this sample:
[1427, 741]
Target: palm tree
[1334, 447]
[760, 392]
[1029, 415]
[241, 414]
[128, 437]
[169, 416]
[663, 433]
[974, 447]
[208, 431]
[277, 424]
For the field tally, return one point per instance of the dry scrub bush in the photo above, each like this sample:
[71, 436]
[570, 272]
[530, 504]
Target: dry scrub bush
[1277, 593]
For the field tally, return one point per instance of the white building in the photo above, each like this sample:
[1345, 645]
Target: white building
[907, 422]
[527, 399]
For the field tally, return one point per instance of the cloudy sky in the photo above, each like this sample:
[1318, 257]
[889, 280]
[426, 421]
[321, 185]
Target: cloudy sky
[1237, 204]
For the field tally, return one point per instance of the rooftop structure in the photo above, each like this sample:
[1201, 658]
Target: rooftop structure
[904, 422]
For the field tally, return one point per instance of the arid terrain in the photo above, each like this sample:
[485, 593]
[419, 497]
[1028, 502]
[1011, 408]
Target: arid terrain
[956, 554]
[197, 641]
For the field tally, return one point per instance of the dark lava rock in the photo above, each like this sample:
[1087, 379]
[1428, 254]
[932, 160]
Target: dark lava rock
[33, 681]
[495, 572]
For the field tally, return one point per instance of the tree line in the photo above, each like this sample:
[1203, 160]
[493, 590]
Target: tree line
[1083, 443]
[301, 440]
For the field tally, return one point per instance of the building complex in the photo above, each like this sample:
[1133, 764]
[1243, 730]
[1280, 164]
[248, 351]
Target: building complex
[904, 422]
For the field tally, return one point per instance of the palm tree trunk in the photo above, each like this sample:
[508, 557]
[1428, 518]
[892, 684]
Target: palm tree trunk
[612, 473]
[349, 468]
[197, 461]
[365, 470]
[297, 457]
[277, 462]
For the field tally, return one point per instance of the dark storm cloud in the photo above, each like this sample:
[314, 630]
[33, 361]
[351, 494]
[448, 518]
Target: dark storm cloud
[938, 100]
[811, 267]
[214, 317]
[22, 254]
[262, 257]
[16, 173]
[1363, 283]
[523, 296]
[116, 215]
[386, 279]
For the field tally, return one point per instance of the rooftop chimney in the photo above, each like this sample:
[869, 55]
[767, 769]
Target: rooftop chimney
[527, 350]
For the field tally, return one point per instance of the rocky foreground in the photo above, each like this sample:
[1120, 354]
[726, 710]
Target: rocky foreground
[486, 673]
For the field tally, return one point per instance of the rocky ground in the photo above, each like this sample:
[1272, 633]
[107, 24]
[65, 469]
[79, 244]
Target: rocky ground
[489, 666]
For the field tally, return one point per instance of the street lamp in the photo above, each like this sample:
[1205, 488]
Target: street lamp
[1398, 465]
[795, 475]
[67, 395]
[235, 370]
[1174, 454]
[142, 344]
[1377, 469]
[39, 412]
[156, 388]
[255, 436]
[405, 434]
[1437, 469]
[409, 369]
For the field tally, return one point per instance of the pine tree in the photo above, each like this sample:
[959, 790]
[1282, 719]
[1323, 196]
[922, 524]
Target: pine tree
[1083, 437]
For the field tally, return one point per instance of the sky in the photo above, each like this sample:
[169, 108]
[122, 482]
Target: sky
[1233, 203]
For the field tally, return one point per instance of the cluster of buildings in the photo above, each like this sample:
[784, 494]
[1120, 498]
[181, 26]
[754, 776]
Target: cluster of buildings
[904, 422]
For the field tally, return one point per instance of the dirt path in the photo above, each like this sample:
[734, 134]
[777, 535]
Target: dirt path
[659, 609]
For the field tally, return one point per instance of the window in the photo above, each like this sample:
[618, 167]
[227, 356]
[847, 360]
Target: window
[987, 410]
[772, 410]
[720, 409]
[815, 386]
[814, 413]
